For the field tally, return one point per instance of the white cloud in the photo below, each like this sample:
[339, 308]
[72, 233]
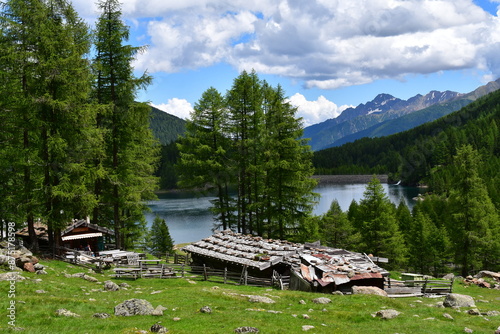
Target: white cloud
[315, 111]
[324, 43]
[177, 107]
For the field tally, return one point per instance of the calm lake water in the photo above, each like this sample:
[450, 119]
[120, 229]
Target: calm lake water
[189, 219]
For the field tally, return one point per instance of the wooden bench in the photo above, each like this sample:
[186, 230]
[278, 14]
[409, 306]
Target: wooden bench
[127, 272]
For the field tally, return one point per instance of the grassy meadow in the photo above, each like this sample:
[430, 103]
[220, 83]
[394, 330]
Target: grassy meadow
[36, 312]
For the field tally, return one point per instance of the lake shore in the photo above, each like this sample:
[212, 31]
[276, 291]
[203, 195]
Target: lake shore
[348, 179]
[322, 179]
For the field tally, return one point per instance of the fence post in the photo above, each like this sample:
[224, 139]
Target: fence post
[225, 275]
[205, 272]
[182, 270]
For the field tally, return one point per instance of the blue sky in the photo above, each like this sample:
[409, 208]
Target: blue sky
[327, 54]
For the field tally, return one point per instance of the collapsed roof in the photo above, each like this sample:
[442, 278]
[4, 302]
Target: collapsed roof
[312, 262]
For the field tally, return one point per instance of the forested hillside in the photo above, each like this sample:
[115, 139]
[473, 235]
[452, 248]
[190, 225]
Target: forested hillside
[166, 128]
[423, 154]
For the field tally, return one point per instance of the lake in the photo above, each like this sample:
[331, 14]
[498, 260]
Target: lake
[189, 219]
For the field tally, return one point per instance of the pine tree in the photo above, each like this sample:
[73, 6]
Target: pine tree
[380, 234]
[336, 229]
[159, 242]
[287, 194]
[125, 170]
[49, 85]
[204, 154]
[476, 223]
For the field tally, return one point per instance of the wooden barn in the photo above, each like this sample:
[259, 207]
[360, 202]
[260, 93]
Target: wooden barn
[311, 267]
[81, 233]
[78, 235]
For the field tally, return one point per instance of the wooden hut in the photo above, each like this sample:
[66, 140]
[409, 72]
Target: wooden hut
[310, 266]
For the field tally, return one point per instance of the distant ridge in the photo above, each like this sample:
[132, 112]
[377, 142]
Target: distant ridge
[166, 128]
[379, 116]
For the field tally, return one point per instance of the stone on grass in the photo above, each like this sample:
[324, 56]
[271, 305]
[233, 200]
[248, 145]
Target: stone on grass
[159, 310]
[447, 316]
[305, 328]
[368, 290]
[260, 299]
[65, 313]
[206, 309]
[157, 328]
[90, 278]
[134, 307]
[458, 300]
[387, 314]
[322, 300]
[41, 272]
[468, 330]
[11, 276]
[111, 286]
[101, 315]
[246, 329]
[124, 285]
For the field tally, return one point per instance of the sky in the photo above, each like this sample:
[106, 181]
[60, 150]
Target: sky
[327, 55]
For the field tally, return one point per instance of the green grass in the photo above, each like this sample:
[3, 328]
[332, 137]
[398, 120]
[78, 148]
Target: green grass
[346, 314]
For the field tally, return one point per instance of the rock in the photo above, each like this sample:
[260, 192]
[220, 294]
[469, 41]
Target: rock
[134, 307]
[458, 300]
[447, 316]
[41, 272]
[449, 276]
[111, 286]
[498, 330]
[490, 274]
[368, 290]
[40, 291]
[157, 328]
[260, 299]
[39, 266]
[11, 276]
[305, 328]
[28, 266]
[246, 329]
[302, 301]
[101, 315]
[387, 314]
[468, 330]
[65, 313]
[306, 316]
[492, 313]
[206, 309]
[124, 285]
[474, 311]
[337, 293]
[322, 300]
[5, 259]
[90, 278]
[159, 310]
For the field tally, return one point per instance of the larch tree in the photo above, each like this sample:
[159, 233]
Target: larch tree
[376, 221]
[125, 170]
[47, 44]
[204, 156]
[476, 231]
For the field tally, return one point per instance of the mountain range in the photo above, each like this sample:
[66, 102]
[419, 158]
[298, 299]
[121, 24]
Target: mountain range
[386, 114]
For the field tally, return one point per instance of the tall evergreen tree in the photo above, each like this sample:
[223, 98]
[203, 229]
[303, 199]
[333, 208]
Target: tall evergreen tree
[47, 43]
[376, 219]
[160, 242]
[205, 149]
[476, 224]
[336, 229]
[287, 164]
[125, 171]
